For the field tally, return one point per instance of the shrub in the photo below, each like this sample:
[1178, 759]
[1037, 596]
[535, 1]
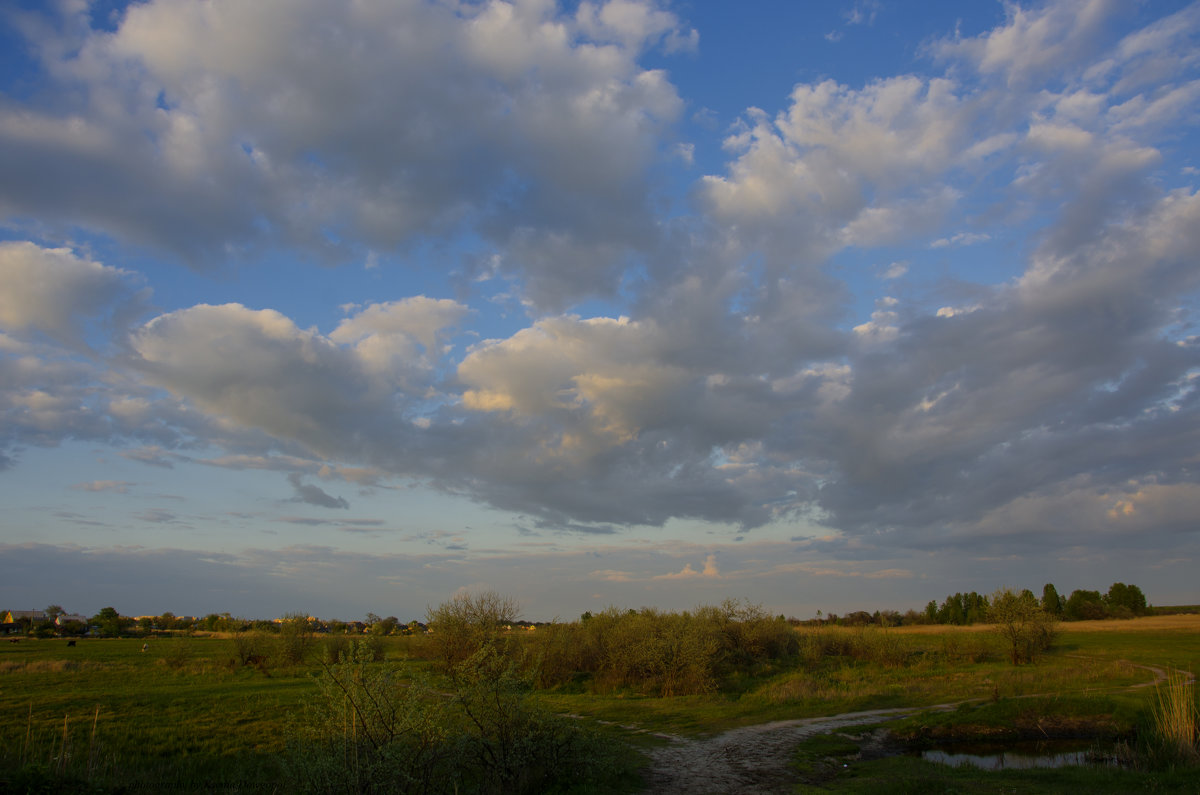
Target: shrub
[368, 731]
[1020, 620]
[373, 731]
[296, 638]
[334, 648]
[463, 625]
[1175, 718]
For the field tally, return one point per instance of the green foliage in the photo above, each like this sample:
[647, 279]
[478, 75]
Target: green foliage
[296, 639]
[1020, 620]
[1125, 600]
[1175, 719]
[509, 744]
[653, 652]
[109, 622]
[369, 731]
[467, 622]
[1052, 603]
[1085, 606]
[180, 719]
[961, 609]
[374, 730]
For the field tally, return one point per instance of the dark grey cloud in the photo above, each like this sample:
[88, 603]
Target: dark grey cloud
[314, 495]
[158, 516]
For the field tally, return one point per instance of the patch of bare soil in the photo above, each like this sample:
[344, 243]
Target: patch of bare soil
[753, 759]
[756, 760]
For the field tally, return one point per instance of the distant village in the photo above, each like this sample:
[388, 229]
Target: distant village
[57, 622]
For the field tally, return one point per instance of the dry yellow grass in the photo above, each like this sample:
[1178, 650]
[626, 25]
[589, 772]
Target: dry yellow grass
[1179, 623]
[1186, 622]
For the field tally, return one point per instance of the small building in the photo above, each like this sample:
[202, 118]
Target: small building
[20, 620]
[14, 616]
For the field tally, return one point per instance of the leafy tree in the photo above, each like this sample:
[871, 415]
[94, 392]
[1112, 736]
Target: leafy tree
[1125, 599]
[72, 628]
[109, 621]
[295, 638]
[1052, 603]
[221, 622]
[951, 610]
[54, 611]
[384, 626]
[975, 607]
[960, 609]
[1020, 620]
[1085, 606]
[464, 624]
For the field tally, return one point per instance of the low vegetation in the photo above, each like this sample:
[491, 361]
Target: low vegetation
[483, 704]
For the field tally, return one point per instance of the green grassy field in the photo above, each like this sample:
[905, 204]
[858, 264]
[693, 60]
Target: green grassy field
[181, 715]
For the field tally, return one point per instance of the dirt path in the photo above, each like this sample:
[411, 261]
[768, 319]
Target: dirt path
[753, 760]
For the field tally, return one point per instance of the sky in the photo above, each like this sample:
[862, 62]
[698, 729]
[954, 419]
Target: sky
[349, 307]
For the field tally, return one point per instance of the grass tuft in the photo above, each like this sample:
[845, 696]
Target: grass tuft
[1175, 717]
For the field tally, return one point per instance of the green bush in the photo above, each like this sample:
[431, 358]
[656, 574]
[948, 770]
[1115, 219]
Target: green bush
[374, 731]
[369, 731]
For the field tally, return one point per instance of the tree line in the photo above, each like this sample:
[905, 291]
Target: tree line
[1121, 601]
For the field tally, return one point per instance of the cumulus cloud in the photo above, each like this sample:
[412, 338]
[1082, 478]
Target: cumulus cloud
[740, 387]
[204, 131]
[56, 292]
[256, 368]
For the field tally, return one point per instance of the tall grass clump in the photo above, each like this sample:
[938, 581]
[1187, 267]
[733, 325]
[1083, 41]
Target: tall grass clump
[49, 758]
[1175, 717]
[373, 729]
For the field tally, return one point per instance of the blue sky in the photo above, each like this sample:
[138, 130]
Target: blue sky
[829, 306]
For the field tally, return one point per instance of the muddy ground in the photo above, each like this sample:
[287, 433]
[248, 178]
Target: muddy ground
[753, 759]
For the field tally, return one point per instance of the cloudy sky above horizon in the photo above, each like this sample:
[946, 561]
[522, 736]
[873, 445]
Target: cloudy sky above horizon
[344, 307]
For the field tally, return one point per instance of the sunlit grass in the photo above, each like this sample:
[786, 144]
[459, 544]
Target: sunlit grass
[181, 709]
[1175, 716]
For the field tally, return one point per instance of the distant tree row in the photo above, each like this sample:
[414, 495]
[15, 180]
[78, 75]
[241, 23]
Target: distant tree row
[108, 622]
[1121, 601]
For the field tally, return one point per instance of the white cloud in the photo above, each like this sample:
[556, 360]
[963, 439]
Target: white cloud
[57, 292]
[710, 571]
[1035, 43]
[204, 131]
[961, 239]
[732, 393]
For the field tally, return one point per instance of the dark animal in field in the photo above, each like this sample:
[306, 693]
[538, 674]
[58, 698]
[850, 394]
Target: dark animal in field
[14, 640]
[145, 647]
[70, 643]
[259, 661]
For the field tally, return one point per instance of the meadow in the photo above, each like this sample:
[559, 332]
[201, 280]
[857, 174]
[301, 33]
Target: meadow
[189, 713]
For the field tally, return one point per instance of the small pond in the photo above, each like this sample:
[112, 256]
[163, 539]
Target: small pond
[1021, 755]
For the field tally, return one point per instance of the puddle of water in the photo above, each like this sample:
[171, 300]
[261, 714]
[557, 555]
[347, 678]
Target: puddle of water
[1017, 755]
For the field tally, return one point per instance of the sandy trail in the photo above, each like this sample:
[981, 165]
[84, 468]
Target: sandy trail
[754, 759]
